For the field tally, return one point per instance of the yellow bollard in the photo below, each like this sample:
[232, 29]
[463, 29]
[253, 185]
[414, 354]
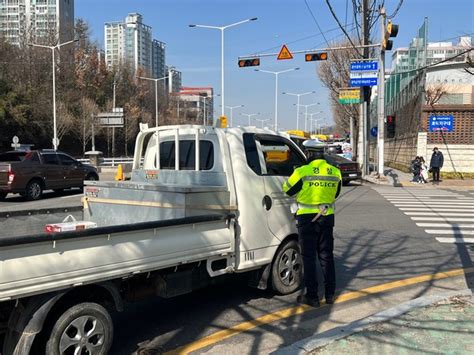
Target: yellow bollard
[119, 175]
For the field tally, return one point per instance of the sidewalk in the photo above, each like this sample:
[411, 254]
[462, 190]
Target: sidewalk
[398, 178]
[442, 324]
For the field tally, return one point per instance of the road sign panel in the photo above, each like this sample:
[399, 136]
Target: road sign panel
[364, 66]
[374, 131]
[441, 123]
[110, 119]
[284, 53]
[363, 74]
[363, 82]
[349, 96]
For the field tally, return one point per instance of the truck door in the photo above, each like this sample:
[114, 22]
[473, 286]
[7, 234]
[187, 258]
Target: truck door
[53, 174]
[279, 158]
[73, 173]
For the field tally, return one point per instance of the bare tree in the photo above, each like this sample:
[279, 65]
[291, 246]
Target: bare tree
[434, 93]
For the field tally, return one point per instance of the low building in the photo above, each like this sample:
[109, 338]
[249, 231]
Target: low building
[196, 104]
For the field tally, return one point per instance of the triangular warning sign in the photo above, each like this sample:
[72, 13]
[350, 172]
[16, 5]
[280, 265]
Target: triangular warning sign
[284, 53]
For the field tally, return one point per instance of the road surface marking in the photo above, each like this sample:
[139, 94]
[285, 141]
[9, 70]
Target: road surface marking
[447, 214]
[437, 209]
[221, 335]
[455, 240]
[450, 231]
[450, 202]
[447, 219]
[448, 225]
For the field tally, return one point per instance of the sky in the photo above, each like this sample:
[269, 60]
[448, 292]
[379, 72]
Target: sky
[196, 51]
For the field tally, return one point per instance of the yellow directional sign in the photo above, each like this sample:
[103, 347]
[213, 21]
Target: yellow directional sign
[284, 53]
[349, 96]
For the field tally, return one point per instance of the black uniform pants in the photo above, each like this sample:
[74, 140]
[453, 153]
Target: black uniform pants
[435, 174]
[316, 239]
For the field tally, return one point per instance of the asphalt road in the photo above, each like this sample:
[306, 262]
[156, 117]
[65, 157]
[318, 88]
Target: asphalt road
[375, 243]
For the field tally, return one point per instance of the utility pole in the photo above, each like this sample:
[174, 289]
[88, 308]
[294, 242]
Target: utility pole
[366, 89]
[381, 98]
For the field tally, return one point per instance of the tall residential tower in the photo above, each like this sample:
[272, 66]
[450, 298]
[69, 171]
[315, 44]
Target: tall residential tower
[37, 21]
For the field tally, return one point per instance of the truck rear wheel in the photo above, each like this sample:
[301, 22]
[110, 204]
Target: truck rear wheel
[85, 328]
[34, 190]
[287, 268]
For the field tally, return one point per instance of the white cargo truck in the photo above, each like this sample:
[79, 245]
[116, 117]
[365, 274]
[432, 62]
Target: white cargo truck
[202, 203]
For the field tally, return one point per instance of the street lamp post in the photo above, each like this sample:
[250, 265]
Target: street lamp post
[156, 94]
[311, 118]
[298, 104]
[315, 120]
[222, 28]
[261, 120]
[306, 114]
[53, 48]
[276, 73]
[231, 108]
[249, 115]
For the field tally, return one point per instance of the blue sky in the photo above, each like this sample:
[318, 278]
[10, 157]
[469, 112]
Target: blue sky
[196, 52]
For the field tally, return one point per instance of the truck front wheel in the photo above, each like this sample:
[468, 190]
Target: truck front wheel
[85, 328]
[287, 268]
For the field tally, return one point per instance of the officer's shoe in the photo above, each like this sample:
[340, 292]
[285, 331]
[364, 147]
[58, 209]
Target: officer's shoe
[310, 301]
[330, 299]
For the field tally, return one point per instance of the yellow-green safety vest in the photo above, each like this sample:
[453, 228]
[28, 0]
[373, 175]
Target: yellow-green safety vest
[315, 186]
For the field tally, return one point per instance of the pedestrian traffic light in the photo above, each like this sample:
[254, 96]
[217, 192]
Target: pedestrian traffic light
[249, 62]
[311, 57]
[390, 31]
[390, 126]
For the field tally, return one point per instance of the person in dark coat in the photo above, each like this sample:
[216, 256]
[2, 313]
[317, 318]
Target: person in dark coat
[416, 169]
[436, 163]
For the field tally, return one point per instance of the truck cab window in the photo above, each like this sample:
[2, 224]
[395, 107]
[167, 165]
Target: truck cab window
[280, 157]
[187, 155]
[50, 158]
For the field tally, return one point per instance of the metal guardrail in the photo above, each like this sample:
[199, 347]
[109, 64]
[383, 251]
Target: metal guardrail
[113, 162]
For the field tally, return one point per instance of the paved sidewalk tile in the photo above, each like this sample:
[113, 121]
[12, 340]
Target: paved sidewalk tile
[443, 328]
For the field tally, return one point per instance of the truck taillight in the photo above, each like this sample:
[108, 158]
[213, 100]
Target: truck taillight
[11, 177]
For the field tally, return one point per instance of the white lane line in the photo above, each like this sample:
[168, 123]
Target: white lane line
[447, 214]
[466, 209]
[434, 204]
[466, 202]
[70, 196]
[442, 225]
[455, 240]
[442, 219]
[447, 231]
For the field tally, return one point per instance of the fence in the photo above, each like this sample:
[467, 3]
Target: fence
[112, 162]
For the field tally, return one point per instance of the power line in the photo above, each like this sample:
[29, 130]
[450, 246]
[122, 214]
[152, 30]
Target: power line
[316, 21]
[342, 28]
[396, 10]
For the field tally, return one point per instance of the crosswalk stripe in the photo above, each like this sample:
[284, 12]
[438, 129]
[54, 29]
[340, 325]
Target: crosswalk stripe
[457, 240]
[448, 225]
[439, 218]
[447, 214]
[465, 202]
[447, 231]
[452, 204]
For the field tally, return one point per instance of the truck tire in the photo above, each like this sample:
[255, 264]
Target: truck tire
[287, 268]
[85, 328]
[34, 190]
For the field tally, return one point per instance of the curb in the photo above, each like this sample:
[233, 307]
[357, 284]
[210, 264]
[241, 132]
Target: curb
[319, 340]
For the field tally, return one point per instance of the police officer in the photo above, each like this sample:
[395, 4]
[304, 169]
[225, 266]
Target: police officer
[316, 186]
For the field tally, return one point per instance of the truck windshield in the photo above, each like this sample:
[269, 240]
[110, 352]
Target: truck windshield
[13, 156]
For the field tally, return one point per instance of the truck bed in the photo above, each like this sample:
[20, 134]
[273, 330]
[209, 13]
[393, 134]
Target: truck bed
[112, 203]
[41, 263]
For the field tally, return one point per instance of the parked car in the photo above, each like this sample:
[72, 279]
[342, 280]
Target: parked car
[349, 169]
[29, 173]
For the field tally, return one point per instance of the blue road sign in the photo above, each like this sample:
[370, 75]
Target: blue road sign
[374, 131]
[363, 82]
[441, 123]
[364, 66]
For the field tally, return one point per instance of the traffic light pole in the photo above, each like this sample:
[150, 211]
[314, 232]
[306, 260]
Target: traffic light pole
[381, 100]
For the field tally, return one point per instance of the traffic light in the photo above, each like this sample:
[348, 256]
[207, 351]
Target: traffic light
[311, 57]
[390, 31]
[249, 62]
[390, 126]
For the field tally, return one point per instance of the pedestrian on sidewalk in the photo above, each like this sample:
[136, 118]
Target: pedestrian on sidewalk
[423, 171]
[436, 163]
[416, 169]
[316, 186]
